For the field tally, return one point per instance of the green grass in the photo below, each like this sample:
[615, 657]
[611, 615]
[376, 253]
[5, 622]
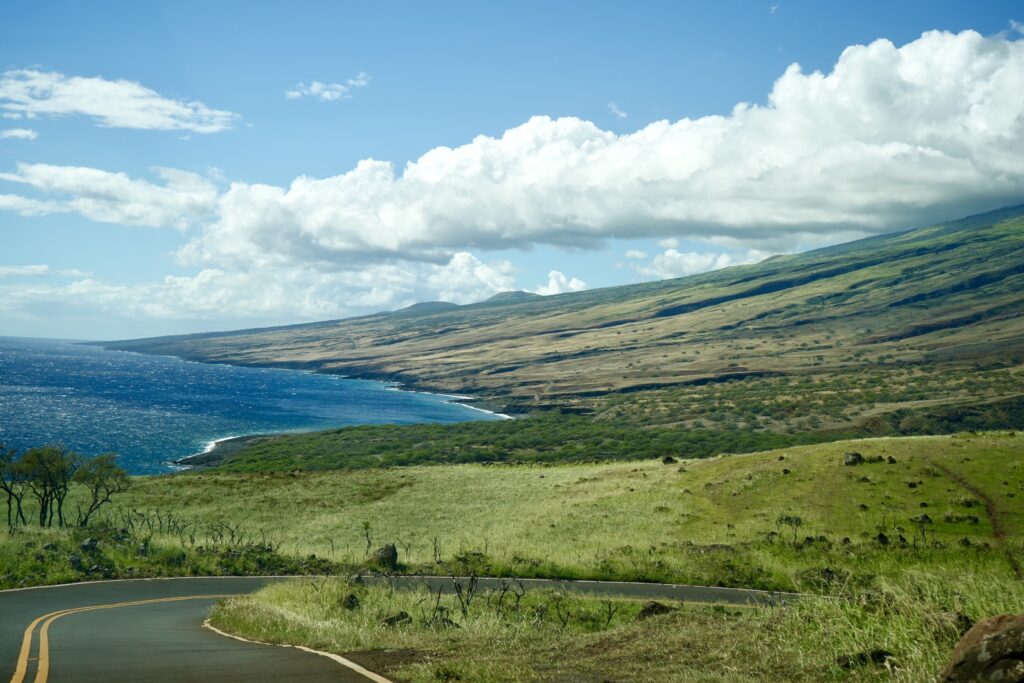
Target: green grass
[915, 617]
[712, 521]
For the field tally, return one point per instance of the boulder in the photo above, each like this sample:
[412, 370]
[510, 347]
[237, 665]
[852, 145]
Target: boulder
[400, 619]
[992, 650]
[669, 460]
[350, 601]
[653, 608]
[876, 656]
[386, 557]
[853, 458]
[89, 545]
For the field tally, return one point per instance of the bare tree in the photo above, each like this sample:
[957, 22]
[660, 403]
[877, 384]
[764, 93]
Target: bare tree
[103, 478]
[14, 484]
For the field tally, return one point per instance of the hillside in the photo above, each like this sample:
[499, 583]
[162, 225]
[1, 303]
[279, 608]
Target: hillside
[901, 547]
[944, 299]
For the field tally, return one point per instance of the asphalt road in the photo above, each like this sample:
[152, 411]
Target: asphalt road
[151, 630]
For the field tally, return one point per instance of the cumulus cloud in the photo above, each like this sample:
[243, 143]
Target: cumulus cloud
[560, 283]
[636, 254]
[116, 104]
[15, 271]
[180, 200]
[672, 263]
[891, 137]
[328, 92]
[18, 134]
[465, 278]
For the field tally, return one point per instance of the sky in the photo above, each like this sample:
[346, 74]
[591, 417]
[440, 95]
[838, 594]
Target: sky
[192, 166]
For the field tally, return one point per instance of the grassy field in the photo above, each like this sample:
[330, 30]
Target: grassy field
[792, 519]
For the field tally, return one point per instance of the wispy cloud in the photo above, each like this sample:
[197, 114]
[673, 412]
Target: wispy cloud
[772, 9]
[328, 92]
[21, 271]
[30, 93]
[180, 200]
[615, 110]
[18, 134]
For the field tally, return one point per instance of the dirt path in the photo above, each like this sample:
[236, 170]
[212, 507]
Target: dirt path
[995, 516]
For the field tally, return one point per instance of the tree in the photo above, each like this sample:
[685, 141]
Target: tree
[103, 478]
[13, 483]
[49, 471]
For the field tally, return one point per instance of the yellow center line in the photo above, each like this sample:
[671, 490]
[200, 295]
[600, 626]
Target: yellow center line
[43, 667]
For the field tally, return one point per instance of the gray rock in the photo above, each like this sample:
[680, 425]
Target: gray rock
[386, 557]
[854, 458]
[653, 608]
[400, 619]
[992, 650]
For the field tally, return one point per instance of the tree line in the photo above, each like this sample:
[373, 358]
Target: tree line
[46, 474]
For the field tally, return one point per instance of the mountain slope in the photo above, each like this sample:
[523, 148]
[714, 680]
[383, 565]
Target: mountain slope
[947, 296]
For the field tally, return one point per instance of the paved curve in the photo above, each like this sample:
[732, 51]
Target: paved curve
[160, 639]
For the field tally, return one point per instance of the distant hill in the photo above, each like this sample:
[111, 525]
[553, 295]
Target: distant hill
[512, 297]
[947, 298]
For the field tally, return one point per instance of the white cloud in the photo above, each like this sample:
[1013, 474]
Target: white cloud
[559, 283]
[465, 278]
[891, 137]
[672, 263]
[14, 271]
[182, 199]
[328, 92]
[18, 134]
[116, 104]
[614, 108]
[636, 254]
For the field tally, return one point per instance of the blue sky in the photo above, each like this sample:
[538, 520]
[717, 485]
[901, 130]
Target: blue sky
[574, 182]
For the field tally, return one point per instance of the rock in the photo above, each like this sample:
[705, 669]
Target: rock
[400, 619]
[386, 557]
[350, 601]
[652, 608]
[851, 459]
[891, 460]
[921, 519]
[965, 542]
[668, 460]
[89, 545]
[882, 539]
[876, 656]
[846, 540]
[76, 562]
[50, 547]
[785, 471]
[992, 650]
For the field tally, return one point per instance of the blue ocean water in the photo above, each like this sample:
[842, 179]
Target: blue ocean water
[152, 410]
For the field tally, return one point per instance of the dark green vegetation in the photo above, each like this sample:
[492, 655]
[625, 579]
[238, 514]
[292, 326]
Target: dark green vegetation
[715, 425]
[47, 474]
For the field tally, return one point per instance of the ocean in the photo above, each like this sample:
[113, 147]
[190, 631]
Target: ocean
[152, 410]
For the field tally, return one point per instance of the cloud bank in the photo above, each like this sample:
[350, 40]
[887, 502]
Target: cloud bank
[28, 93]
[18, 134]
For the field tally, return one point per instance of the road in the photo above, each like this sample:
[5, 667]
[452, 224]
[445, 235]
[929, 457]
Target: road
[151, 630]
